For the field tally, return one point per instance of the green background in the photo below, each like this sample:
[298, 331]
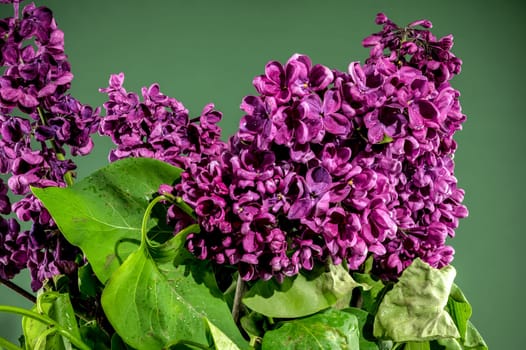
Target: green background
[202, 51]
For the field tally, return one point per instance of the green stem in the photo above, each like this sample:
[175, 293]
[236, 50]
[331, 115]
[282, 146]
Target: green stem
[194, 228]
[75, 341]
[253, 341]
[47, 321]
[181, 204]
[68, 176]
[43, 336]
[146, 217]
[7, 345]
[119, 242]
[240, 290]
[27, 313]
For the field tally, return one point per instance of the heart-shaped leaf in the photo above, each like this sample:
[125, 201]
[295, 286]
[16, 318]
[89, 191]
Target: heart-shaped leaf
[102, 213]
[152, 304]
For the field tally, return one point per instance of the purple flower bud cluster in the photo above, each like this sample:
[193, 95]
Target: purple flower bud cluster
[337, 166]
[35, 81]
[158, 126]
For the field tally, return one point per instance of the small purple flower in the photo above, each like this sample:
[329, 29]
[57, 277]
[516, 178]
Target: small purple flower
[298, 124]
[297, 78]
[316, 195]
[278, 80]
[5, 203]
[256, 124]
[13, 254]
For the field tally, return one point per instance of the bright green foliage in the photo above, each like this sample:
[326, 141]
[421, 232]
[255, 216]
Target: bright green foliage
[417, 346]
[332, 329]
[459, 309]
[40, 336]
[363, 318]
[301, 296]
[157, 295]
[221, 341]
[151, 303]
[102, 213]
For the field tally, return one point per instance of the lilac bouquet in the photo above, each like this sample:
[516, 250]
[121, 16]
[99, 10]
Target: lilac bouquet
[320, 224]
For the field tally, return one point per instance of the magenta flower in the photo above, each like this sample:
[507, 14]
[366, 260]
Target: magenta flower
[36, 149]
[297, 78]
[326, 165]
[316, 195]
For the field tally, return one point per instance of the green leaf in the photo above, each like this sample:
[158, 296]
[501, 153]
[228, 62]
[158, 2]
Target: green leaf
[58, 307]
[414, 309]
[473, 339]
[152, 304]
[301, 296]
[445, 344]
[459, 309]
[473, 342]
[254, 324]
[372, 291]
[221, 341]
[332, 329]
[88, 283]
[364, 323]
[118, 344]
[102, 213]
[94, 337]
[417, 346]
[386, 139]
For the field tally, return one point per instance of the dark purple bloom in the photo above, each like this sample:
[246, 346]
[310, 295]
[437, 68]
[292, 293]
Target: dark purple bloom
[35, 148]
[316, 195]
[297, 78]
[256, 124]
[298, 124]
[13, 251]
[325, 166]
[158, 127]
[5, 203]
[278, 80]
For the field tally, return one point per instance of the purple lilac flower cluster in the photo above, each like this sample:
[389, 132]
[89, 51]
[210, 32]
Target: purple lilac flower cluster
[326, 165]
[35, 81]
[158, 126]
[340, 166]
